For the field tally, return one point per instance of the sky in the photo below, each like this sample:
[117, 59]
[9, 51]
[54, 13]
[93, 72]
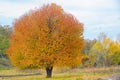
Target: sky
[96, 15]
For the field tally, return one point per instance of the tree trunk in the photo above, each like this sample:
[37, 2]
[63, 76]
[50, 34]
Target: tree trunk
[49, 71]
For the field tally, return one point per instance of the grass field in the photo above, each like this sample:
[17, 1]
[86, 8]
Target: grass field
[69, 74]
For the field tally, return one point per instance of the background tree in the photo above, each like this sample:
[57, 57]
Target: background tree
[104, 51]
[87, 62]
[46, 37]
[5, 32]
[88, 45]
[99, 51]
[114, 53]
[116, 58]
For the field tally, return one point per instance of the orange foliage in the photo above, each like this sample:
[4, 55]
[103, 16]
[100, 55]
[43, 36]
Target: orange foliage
[46, 37]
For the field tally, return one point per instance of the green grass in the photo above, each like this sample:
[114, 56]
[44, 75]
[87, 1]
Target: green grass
[71, 74]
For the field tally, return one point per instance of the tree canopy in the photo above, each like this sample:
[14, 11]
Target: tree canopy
[46, 37]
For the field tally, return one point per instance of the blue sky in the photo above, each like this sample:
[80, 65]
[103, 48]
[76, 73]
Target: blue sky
[97, 15]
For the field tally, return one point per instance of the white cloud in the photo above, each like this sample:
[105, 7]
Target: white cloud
[14, 9]
[11, 9]
[85, 4]
[95, 14]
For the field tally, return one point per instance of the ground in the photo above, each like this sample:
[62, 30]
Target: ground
[63, 74]
[113, 77]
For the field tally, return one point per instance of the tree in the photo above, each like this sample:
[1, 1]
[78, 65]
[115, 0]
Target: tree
[105, 52]
[116, 58]
[88, 45]
[5, 32]
[98, 51]
[45, 38]
[87, 61]
[114, 53]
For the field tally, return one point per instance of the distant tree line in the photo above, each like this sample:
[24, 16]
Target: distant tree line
[102, 52]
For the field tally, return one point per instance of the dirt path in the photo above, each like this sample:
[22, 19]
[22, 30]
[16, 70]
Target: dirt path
[113, 77]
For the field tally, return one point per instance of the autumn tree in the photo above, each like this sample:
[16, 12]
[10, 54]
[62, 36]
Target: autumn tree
[105, 52]
[114, 53]
[45, 38]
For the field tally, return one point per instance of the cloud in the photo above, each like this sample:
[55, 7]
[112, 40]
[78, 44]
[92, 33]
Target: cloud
[14, 9]
[97, 15]
[83, 4]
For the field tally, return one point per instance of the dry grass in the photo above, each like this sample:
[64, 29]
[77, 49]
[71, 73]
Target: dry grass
[65, 74]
